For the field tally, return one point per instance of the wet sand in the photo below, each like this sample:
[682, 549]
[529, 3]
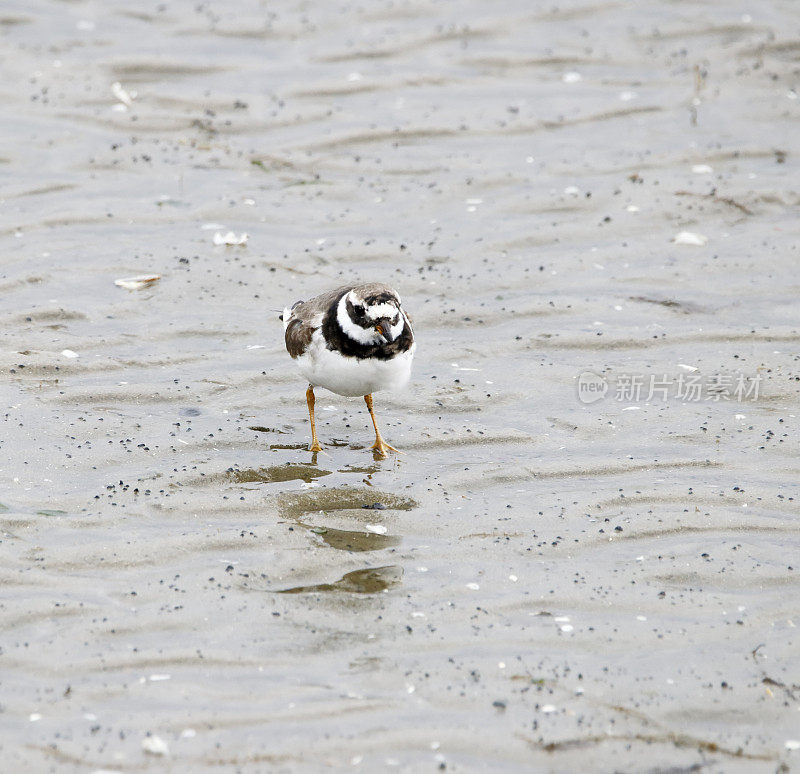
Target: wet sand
[541, 582]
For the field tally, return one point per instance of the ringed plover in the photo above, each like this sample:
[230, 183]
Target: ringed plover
[354, 340]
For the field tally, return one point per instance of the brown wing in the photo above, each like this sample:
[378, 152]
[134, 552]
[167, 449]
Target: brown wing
[308, 310]
[305, 316]
[298, 337]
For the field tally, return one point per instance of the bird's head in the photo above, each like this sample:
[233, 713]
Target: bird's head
[373, 315]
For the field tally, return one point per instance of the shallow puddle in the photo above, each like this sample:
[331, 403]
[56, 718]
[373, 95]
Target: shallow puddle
[372, 580]
[359, 502]
[285, 472]
[353, 540]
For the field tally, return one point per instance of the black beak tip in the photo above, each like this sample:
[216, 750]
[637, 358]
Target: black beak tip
[384, 330]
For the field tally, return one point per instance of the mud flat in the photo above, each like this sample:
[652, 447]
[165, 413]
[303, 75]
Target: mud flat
[589, 549]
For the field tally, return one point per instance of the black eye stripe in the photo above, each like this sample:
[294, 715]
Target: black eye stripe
[357, 314]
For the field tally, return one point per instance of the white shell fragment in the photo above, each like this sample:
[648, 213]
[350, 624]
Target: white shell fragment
[702, 169]
[155, 745]
[125, 97]
[137, 283]
[377, 529]
[690, 238]
[69, 353]
[230, 239]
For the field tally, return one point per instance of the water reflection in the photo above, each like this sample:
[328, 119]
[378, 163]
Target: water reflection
[371, 580]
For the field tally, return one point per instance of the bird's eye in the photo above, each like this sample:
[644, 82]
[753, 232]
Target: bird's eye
[358, 309]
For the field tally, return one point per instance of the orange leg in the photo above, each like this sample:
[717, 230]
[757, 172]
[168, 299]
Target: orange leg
[380, 445]
[315, 447]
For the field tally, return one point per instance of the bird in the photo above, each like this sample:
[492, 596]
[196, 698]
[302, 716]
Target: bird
[354, 340]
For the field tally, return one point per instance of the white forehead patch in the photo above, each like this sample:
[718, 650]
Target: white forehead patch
[377, 311]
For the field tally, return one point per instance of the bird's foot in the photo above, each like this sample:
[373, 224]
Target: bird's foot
[315, 447]
[380, 447]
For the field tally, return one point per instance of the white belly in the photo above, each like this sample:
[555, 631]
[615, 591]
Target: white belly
[349, 375]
